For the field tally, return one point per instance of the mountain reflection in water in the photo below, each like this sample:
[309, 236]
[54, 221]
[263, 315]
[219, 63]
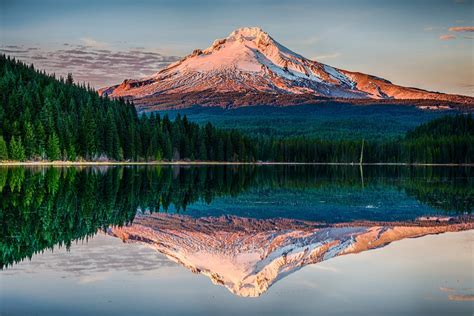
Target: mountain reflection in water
[41, 208]
[248, 255]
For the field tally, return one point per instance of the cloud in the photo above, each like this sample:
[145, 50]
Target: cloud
[95, 65]
[460, 297]
[447, 289]
[456, 296]
[462, 29]
[446, 37]
[327, 56]
[92, 260]
[92, 42]
[15, 50]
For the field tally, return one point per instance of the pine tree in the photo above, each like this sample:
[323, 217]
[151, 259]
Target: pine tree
[30, 144]
[87, 133]
[167, 148]
[54, 152]
[3, 149]
[109, 135]
[202, 152]
[71, 153]
[40, 140]
[69, 79]
[17, 151]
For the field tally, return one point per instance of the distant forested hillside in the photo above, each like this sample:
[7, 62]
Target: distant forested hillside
[44, 118]
[328, 121]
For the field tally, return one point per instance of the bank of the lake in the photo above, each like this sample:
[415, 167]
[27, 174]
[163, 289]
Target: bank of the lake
[204, 163]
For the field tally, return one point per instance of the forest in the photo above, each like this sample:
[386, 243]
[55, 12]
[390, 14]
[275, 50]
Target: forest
[44, 118]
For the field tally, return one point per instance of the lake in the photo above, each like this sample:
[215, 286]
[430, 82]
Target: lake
[253, 239]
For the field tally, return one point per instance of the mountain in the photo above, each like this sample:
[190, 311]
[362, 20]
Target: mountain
[248, 255]
[250, 68]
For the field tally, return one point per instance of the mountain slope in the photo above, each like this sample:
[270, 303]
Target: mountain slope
[250, 62]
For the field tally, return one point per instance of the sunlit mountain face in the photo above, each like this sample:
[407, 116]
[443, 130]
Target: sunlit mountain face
[249, 67]
[245, 227]
[248, 255]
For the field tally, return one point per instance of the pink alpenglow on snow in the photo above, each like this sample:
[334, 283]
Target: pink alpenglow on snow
[249, 61]
[248, 255]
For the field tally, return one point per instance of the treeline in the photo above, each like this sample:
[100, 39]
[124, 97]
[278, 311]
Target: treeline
[44, 118]
[448, 139]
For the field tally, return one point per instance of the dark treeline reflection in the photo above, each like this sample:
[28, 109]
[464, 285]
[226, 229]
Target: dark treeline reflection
[44, 207]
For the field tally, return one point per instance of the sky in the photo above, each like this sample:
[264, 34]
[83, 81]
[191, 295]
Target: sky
[422, 43]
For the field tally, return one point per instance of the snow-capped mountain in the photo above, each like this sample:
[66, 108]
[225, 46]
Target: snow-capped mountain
[248, 255]
[250, 62]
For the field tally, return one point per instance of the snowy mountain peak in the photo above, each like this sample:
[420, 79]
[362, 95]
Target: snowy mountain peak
[249, 34]
[250, 61]
[249, 37]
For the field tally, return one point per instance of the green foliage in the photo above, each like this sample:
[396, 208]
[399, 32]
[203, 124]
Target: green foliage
[54, 153]
[447, 126]
[3, 149]
[17, 151]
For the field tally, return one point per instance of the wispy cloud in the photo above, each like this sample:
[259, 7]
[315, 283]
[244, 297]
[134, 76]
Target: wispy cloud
[327, 56]
[447, 289]
[93, 43]
[460, 297]
[94, 260]
[462, 29]
[446, 37]
[457, 294]
[98, 65]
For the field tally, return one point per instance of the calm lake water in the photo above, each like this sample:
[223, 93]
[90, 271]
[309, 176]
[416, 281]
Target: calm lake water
[254, 240]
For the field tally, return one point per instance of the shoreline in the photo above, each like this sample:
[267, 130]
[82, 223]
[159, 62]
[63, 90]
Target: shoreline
[217, 163]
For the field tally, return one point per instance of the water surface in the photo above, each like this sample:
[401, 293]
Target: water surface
[259, 239]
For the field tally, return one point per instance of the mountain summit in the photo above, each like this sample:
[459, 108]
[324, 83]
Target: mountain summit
[248, 65]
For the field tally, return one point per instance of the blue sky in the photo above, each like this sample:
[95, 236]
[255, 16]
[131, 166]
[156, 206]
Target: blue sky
[407, 42]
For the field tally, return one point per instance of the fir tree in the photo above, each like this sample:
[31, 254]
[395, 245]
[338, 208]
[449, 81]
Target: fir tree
[54, 152]
[30, 142]
[17, 151]
[3, 149]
